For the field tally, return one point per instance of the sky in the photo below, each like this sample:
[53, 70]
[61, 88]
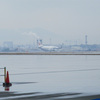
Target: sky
[52, 20]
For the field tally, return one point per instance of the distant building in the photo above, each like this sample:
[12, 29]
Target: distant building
[8, 44]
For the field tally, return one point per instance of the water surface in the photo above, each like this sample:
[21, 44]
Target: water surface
[52, 73]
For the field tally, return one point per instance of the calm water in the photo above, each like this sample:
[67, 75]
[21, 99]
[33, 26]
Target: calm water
[52, 74]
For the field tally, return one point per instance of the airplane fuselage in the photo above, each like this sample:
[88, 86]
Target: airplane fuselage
[48, 48]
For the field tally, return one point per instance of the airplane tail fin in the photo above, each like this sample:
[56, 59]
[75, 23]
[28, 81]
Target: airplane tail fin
[39, 43]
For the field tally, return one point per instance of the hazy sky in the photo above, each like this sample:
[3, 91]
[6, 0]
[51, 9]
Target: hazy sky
[67, 19]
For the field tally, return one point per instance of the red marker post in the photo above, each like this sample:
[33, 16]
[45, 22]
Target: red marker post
[6, 79]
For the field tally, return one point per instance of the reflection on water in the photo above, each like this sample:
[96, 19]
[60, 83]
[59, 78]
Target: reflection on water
[6, 88]
[53, 74]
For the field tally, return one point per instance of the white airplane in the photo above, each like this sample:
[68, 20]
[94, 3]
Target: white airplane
[48, 48]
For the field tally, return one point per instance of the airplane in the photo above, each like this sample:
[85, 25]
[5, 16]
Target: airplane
[47, 48]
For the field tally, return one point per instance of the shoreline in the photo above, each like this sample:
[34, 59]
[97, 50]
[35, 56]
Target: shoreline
[50, 53]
